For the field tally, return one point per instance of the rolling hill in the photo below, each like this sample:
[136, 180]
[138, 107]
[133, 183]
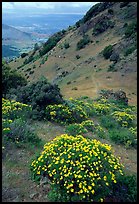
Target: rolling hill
[75, 59]
[14, 40]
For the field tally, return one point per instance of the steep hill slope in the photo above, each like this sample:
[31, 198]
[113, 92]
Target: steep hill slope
[77, 64]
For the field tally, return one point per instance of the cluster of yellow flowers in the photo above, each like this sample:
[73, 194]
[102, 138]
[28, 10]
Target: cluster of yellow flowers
[64, 114]
[11, 106]
[81, 166]
[123, 118]
[101, 108]
[10, 110]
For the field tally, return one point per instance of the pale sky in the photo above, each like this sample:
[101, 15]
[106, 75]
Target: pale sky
[49, 7]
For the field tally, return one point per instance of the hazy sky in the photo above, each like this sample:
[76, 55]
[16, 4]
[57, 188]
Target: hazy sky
[47, 7]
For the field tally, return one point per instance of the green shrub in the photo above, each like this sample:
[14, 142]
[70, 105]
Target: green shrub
[123, 118]
[39, 94]
[129, 50]
[108, 122]
[75, 129]
[78, 56]
[31, 72]
[126, 188]
[102, 26]
[11, 79]
[80, 169]
[65, 113]
[20, 132]
[83, 42]
[123, 136]
[28, 69]
[24, 55]
[66, 45]
[112, 68]
[110, 11]
[28, 60]
[107, 52]
[51, 42]
[131, 29]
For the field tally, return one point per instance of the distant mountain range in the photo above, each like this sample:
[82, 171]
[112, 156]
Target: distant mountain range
[9, 32]
[14, 41]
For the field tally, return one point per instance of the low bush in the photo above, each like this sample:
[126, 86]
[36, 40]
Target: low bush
[39, 94]
[102, 26]
[66, 45]
[131, 29]
[20, 132]
[65, 113]
[24, 55]
[112, 68]
[78, 56]
[76, 129]
[51, 42]
[123, 136]
[11, 79]
[107, 52]
[126, 188]
[110, 11]
[123, 118]
[80, 169]
[129, 50]
[83, 42]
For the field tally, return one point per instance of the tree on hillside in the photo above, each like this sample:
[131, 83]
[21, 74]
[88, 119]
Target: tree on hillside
[10, 79]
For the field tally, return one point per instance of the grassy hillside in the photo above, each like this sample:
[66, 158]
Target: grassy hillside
[90, 73]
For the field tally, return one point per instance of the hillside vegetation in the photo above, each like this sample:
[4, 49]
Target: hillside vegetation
[69, 114]
[81, 69]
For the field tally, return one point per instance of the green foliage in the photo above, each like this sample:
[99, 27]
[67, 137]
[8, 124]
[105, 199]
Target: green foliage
[66, 45]
[129, 50]
[24, 55]
[11, 79]
[28, 69]
[39, 94]
[31, 72]
[80, 168]
[123, 136]
[78, 56]
[21, 132]
[51, 43]
[83, 42]
[126, 188]
[28, 60]
[112, 68]
[65, 113]
[102, 26]
[75, 129]
[107, 51]
[108, 122]
[131, 30]
[15, 127]
[110, 11]
[36, 47]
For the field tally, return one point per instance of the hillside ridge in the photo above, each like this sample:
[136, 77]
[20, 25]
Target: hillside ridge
[75, 60]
